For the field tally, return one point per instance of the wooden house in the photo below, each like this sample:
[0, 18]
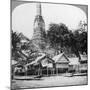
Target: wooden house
[41, 65]
[78, 66]
[83, 64]
[74, 65]
[61, 63]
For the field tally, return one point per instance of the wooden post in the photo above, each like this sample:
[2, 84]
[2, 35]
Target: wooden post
[57, 71]
[53, 71]
[13, 74]
[41, 71]
[78, 69]
[47, 71]
[38, 72]
[25, 72]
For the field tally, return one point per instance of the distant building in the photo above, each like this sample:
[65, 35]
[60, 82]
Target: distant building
[77, 66]
[74, 64]
[39, 29]
[83, 64]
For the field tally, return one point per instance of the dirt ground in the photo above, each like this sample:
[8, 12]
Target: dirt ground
[50, 81]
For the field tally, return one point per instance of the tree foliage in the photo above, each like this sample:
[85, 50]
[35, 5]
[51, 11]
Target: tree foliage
[55, 35]
[60, 37]
[22, 50]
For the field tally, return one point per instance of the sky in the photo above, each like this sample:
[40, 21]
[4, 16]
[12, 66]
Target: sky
[23, 16]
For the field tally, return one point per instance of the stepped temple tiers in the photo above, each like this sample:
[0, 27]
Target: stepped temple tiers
[39, 29]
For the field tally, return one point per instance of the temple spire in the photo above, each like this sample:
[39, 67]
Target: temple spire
[39, 29]
[39, 12]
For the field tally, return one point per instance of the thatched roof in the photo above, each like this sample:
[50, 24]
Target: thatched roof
[74, 61]
[58, 58]
[39, 59]
[13, 62]
[84, 59]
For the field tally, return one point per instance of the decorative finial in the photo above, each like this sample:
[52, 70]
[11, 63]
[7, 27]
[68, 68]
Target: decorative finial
[39, 9]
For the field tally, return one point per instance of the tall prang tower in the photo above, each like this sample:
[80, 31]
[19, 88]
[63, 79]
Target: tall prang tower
[39, 29]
